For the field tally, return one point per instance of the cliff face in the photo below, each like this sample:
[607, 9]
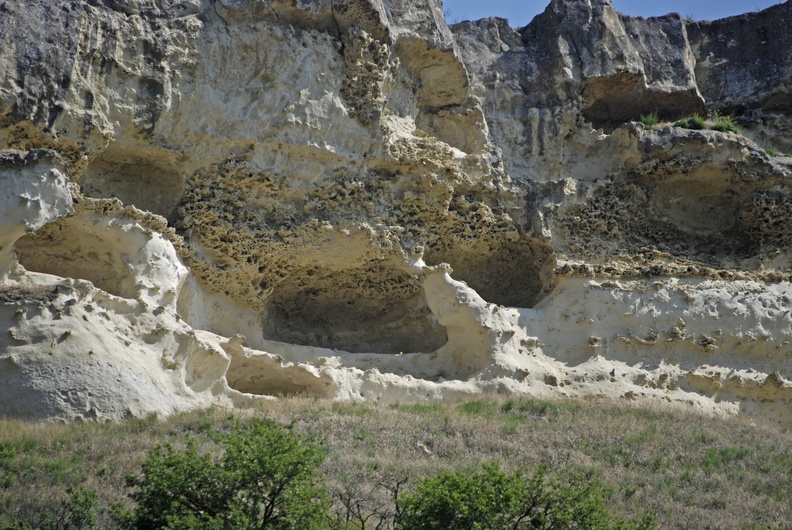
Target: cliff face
[228, 200]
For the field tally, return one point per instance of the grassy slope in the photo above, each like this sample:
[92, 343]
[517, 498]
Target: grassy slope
[692, 471]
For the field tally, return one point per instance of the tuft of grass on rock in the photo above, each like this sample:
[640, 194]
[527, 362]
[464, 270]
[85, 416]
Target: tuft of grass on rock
[715, 121]
[722, 123]
[774, 152]
[695, 122]
[651, 120]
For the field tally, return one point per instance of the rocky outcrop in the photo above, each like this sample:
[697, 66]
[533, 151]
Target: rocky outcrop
[742, 68]
[224, 201]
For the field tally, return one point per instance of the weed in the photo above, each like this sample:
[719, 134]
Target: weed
[534, 408]
[7, 452]
[722, 123]
[59, 469]
[203, 425]
[651, 120]
[695, 122]
[78, 512]
[715, 121]
[643, 436]
[703, 438]
[140, 425]
[353, 409]
[718, 458]
[773, 152]
[433, 407]
[478, 408]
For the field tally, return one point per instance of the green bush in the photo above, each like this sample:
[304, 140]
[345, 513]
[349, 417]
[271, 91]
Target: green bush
[266, 478]
[495, 500]
[650, 120]
[695, 122]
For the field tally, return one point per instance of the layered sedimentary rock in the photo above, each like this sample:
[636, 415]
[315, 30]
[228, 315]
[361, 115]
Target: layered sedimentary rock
[220, 202]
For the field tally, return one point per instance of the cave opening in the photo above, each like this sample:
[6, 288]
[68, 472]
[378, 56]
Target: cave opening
[365, 310]
[514, 271]
[147, 177]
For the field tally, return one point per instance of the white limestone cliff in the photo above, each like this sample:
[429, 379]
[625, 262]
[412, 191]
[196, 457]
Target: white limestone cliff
[225, 201]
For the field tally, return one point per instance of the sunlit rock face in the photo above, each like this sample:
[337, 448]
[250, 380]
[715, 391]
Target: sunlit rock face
[222, 202]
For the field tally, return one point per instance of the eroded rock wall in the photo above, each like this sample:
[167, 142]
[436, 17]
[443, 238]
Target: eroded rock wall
[624, 203]
[223, 201]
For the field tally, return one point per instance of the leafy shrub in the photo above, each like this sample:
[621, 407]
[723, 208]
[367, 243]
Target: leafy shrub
[695, 122]
[266, 478]
[650, 120]
[495, 500]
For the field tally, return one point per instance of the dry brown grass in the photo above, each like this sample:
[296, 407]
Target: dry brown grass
[37, 293]
[692, 471]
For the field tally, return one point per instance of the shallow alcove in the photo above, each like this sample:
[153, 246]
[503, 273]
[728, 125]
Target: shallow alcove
[86, 247]
[65, 250]
[146, 177]
[363, 310]
[265, 375]
[514, 272]
[609, 102]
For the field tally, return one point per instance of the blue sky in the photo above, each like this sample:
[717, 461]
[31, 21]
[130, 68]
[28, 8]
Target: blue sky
[520, 12]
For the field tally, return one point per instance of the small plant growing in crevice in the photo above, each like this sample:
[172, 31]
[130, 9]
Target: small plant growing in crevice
[714, 121]
[651, 120]
[774, 152]
[695, 122]
[722, 123]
